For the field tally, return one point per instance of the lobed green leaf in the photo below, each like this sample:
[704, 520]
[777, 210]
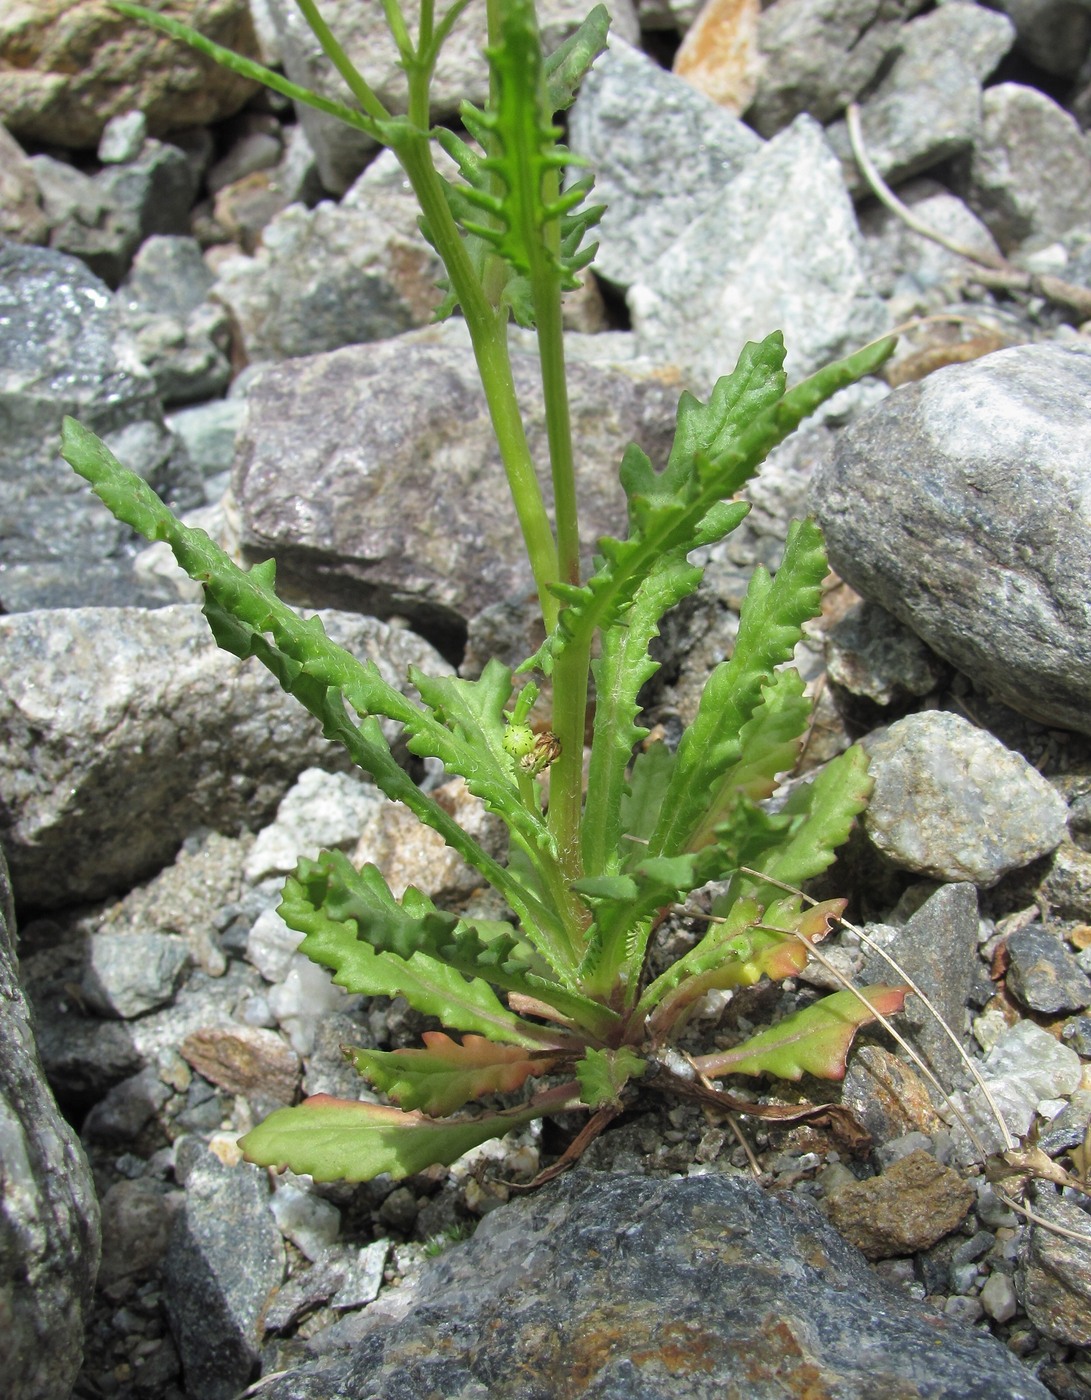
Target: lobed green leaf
[603, 1074]
[445, 1075]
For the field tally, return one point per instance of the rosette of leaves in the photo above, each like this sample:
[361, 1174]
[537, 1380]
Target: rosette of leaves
[555, 1002]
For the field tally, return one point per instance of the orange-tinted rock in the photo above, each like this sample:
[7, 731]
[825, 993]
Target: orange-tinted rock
[719, 55]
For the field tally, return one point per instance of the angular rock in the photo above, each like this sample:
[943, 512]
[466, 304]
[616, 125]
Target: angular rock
[181, 337]
[1029, 176]
[129, 974]
[102, 219]
[958, 504]
[927, 106]
[817, 55]
[323, 811]
[123, 730]
[1066, 887]
[224, 1265]
[906, 267]
[888, 1096]
[21, 215]
[122, 138]
[136, 1219]
[1054, 34]
[870, 654]
[661, 152]
[336, 275]
[642, 1288]
[937, 948]
[244, 1060]
[951, 802]
[311, 1223]
[68, 66]
[372, 475]
[1055, 1272]
[719, 54]
[341, 151]
[788, 258]
[1026, 1067]
[62, 351]
[913, 1204]
[1043, 975]
[49, 1216]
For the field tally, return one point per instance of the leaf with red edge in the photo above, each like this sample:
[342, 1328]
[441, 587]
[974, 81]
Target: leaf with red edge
[334, 1139]
[814, 1041]
[445, 1075]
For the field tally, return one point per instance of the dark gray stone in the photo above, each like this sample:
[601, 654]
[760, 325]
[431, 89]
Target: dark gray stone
[626, 1288]
[1043, 974]
[373, 476]
[123, 730]
[952, 803]
[49, 1217]
[1055, 1270]
[937, 948]
[960, 504]
[871, 654]
[63, 351]
[661, 152]
[224, 1265]
[1054, 34]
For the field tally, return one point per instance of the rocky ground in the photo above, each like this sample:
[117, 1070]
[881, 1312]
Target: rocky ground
[238, 299]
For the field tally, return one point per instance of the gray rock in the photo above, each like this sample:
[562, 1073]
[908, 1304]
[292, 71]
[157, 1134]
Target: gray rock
[62, 351]
[661, 153]
[909, 270]
[68, 66]
[129, 974]
[1066, 887]
[937, 947]
[224, 1265]
[871, 654]
[927, 107]
[789, 257]
[125, 729]
[123, 138]
[1029, 176]
[1043, 975]
[22, 218]
[322, 811]
[337, 275]
[103, 219]
[959, 505]
[1055, 1271]
[360, 27]
[820, 54]
[373, 475]
[1025, 1068]
[1054, 34]
[181, 337]
[952, 803]
[642, 1288]
[130, 1114]
[49, 1217]
[136, 1219]
[208, 432]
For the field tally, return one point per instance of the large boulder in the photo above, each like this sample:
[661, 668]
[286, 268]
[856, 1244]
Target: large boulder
[619, 1285]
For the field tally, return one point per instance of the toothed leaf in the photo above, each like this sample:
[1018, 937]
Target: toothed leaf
[445, 1075]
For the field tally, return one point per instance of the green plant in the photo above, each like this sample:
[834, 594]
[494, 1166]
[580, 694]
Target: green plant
[562, 991]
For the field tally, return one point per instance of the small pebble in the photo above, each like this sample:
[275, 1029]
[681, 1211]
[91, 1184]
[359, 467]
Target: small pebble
[998, 1297]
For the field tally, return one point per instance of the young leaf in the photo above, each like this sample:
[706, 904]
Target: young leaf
[621, 670]
[427, 984]
[567, 66]
[604, 1073]
[719, 446]
[812, 1041]
[770, 625]
[442, 1077]
[334, 1139]
[821, 812]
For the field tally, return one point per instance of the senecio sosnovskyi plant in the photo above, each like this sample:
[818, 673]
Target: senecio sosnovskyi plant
[558, 1001]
